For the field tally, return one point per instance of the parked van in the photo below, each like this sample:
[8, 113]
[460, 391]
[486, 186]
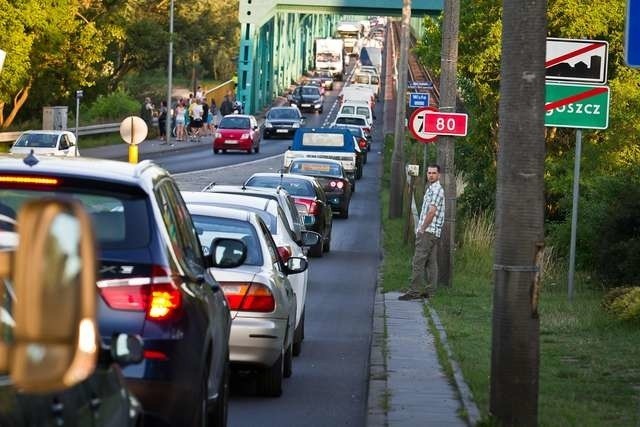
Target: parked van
[359, 108]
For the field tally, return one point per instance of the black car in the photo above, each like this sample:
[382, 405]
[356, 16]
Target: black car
[153, 280]
[282, 121]
[308, 97]
[331, 175]
[310, 200]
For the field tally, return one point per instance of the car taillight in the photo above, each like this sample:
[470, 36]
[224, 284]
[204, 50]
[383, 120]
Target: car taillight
[367, 130]
[284, 252]
[157, 295]
[312, 206]
[362, 143]
[248, 296]
[336, 184]
[29, 180]
[302, 209]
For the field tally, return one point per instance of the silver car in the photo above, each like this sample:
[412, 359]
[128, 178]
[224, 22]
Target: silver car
[260, 296]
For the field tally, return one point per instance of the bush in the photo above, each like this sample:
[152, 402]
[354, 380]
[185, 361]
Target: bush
[623, 303]
[113, 107]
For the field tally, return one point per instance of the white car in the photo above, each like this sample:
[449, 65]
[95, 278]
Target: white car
[49, 142]
[354, 120]
[261, 300]
[358, 107]
[273, 217]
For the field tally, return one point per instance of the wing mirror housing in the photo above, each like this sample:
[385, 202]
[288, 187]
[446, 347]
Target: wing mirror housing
[227, 253]
[295, 265]
[310, 238]
[55, 337]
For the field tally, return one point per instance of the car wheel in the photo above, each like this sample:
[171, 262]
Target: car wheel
[288, 362]
[269, 381]
[216, 151]
[316, 250]
[218, 416]
[298, 337]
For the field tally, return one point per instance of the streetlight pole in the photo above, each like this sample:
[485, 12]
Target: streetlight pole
[169, 75]
[79, 95]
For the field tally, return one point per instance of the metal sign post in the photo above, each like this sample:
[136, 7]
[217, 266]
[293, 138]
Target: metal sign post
[574, 213]
[79, 95]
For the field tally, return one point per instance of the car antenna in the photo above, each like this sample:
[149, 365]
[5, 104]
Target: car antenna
[31, 159]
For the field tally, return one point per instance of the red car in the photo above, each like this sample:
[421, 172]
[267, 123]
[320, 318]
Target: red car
[237, 132]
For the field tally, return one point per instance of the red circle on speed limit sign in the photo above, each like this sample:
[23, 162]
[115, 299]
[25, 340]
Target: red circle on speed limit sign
[417, 126]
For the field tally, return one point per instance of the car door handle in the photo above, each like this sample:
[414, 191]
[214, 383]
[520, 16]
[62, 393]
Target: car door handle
[95, 403]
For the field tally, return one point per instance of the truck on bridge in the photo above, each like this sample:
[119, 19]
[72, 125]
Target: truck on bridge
[371, 56]
[329, 56]
[351, 33]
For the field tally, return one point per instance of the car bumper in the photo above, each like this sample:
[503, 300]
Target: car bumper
[280, 131]
[163, 402]
[337, 201]
[233, 144]
[256, 341]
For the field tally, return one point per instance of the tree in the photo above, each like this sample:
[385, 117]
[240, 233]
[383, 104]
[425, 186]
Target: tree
[515, 353]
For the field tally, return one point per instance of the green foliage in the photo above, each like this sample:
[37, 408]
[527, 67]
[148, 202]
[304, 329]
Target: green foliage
[623, 303]
[113, 107]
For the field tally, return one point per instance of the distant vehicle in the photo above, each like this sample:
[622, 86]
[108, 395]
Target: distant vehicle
[331, 176]
[361, 93]
[50, 142]
[282, 121]
[152, 279]
[308, 98]
[260, 296]
[350, 32]
[324, 143]
[326, 77]
[310, 200]
[237, 132]
[368, 80]
[315, 81]
[362, 108]
[355, 120]
[371, 56]
[361, 139]
[329, 56]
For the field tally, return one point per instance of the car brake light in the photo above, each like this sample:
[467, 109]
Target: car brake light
[248, 296]
[284, 252]
[154, 355]
[312, 206]
[158, 295]
[336, 184]
[29, 180]
[362, 143]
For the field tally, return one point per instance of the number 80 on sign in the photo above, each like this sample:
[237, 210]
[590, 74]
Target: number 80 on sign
[425, 124]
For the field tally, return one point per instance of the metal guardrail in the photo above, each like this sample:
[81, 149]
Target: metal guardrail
[8, 137]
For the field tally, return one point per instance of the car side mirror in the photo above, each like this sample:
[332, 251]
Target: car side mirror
[295, 265]
[55, 339]
[227, 253]
[310, 238]
[126, 349]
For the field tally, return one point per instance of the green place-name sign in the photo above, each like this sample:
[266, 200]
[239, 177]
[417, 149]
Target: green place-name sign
[576, 106]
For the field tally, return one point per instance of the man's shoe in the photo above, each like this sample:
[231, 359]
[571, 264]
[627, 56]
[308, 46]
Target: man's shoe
[410, 296]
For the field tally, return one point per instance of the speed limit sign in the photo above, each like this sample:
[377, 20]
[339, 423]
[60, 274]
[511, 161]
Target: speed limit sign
[417, 125]
[426, 123]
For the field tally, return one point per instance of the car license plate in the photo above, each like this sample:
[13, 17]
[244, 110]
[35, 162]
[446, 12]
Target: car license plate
[231, 141]
[282, 130]
[306, 105]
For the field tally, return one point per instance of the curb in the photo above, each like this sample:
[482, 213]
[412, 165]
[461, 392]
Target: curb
[377, 389]
[464, 392]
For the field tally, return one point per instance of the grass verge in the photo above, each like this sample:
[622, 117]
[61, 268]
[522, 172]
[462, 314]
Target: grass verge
[589, 371]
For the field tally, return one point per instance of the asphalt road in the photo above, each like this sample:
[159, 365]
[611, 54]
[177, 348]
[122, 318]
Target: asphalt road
[329, 382]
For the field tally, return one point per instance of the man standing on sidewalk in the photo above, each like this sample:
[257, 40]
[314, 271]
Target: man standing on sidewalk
[428, 232]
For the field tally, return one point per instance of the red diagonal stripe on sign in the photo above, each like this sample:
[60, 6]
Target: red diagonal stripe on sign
[580, 51]
[573, 98]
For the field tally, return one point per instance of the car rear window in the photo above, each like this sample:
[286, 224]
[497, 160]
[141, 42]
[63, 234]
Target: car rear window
[351, 121]
[323, 139]
[211, 227]
[120, 220]
[295, 187]
[315, 168]
[234, 123]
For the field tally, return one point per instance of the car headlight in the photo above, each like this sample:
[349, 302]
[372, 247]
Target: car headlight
[268, 124]
[245, 136]
[296, 125]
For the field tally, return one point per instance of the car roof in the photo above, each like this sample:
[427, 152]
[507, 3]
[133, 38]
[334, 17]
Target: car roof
[277, 175]
[250, 200]
[81, 167]
[310, 160]
[246, 116]
[355, 116]
[224, 212]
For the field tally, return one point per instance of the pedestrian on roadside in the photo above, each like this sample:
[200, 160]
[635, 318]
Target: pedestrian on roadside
[206, 118]
[226, 107]
[180, 120]
[428, 232]
[146, 112]
[162, 120]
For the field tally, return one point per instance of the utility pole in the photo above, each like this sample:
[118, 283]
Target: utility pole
[397, 158]
[446, 147]
[169, 76]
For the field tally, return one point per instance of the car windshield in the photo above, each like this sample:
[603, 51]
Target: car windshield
[37, 140]
[283, 113]
[315, 168]
[228, 122]
[309, 91]
[120, 220]
[295, 187]
[211, 227]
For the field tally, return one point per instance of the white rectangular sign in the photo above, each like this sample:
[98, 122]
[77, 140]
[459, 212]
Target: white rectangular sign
[576, 61]
[3, 54]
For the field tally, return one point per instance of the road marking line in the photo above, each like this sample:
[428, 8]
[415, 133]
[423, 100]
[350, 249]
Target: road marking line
[228, 166]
